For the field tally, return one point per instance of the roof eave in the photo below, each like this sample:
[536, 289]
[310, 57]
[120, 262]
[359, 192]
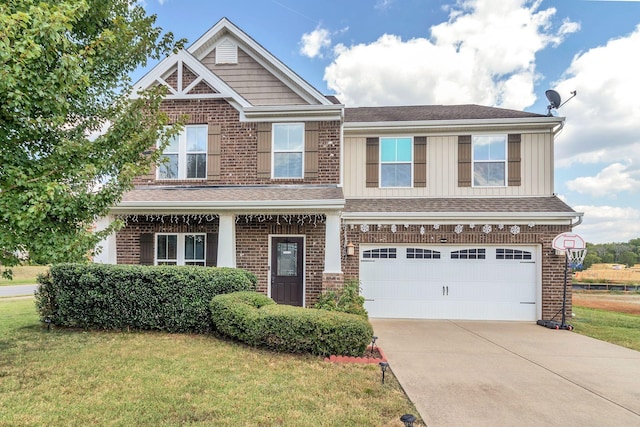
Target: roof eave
[232, 205]
[293, 113]
[456, 217]
[521, 122]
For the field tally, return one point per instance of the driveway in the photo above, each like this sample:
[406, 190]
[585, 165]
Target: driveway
[464, 373]
[17, 290]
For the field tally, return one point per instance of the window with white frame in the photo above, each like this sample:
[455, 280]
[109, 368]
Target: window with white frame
[288, 150]
[180, 249]
[186, 155]
[489, 160]
[396, 162]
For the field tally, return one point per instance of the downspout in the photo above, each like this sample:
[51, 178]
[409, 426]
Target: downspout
[558, 130]
[575, 224]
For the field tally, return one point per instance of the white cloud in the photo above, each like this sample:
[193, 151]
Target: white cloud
[611, 180]
[484, 54]
[312, 43]
[602, 120]
[383, 4]
[603, 224]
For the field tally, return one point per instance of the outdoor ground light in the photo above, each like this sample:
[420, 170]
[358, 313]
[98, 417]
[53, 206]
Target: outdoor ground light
[408, 420]
[351, 249]
[373, 344]
[383, 368]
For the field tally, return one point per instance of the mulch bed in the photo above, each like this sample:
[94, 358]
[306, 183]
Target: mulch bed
[370, 356]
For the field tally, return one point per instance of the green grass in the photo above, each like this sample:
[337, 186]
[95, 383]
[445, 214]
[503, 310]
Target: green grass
[617, 328]
[78, 378]
[23, 275]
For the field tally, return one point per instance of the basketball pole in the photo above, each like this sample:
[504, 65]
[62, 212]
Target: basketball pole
[563, 325]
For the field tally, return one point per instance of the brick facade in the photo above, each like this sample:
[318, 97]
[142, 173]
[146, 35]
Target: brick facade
[252, 252]
[239, 146]
[552, 264]
[128, 238]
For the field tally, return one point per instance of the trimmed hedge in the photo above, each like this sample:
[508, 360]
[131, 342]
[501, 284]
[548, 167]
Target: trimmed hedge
[165, 298]
[258, 321]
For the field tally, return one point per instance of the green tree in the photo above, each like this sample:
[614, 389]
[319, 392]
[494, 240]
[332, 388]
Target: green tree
[590, 259]
[628, 258]
[64, 67]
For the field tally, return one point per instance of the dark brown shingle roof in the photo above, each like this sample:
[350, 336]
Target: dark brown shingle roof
[432, 112]
[461, 205]
[225, 194]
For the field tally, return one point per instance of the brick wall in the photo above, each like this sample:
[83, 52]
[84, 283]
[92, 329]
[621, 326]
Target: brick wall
[552, 264]
[128, 238]
[252, 252]
[239, 145]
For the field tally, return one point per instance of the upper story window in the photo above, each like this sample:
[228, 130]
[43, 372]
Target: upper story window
[396, 161]
[489, 160]
[186, 155]
[288, 150]
[180, 249]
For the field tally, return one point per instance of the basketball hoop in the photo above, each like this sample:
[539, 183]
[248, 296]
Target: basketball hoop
[574, 248]
[575, 257]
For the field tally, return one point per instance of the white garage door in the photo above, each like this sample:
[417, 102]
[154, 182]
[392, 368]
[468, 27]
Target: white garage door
[451, 282]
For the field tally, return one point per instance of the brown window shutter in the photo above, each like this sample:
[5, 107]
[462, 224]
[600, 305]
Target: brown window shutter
[311, 150]
[373, 154]
[213, 153]
[146, 249]
[264, 150]
[420, 161]
[212, 250]
[514, 160]
[464, 161]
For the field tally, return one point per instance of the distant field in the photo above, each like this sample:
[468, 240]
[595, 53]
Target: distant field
[24, 275]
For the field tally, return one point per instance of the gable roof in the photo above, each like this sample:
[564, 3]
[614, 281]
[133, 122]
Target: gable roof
[201, 47]
[317, 107]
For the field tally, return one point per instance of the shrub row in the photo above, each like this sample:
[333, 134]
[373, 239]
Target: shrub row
[166, 298]
[258, 321]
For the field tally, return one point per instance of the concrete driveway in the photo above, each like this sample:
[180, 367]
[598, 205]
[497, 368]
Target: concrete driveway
[464, 373]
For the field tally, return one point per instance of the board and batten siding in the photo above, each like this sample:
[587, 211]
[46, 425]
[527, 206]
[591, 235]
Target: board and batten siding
[251, 80]
[536, 154]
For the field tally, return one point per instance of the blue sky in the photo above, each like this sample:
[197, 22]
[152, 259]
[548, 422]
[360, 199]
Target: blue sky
[503, 53]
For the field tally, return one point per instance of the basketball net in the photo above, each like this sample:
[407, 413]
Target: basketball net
[575, 257]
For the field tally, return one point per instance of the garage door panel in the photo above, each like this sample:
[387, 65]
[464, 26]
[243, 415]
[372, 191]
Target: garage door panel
[497, 287]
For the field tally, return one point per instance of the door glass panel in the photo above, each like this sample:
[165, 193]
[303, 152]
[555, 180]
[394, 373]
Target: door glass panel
[287, 259]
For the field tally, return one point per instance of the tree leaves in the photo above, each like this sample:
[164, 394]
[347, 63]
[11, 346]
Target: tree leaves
[71, 138]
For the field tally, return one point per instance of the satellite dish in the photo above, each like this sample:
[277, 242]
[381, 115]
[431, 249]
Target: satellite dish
[554, 98]
[555, 101]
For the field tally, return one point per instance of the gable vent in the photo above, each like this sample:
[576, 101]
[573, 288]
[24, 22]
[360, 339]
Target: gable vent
[226, 52]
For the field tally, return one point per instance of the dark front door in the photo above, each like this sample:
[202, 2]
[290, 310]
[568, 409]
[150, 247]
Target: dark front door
[287, 270]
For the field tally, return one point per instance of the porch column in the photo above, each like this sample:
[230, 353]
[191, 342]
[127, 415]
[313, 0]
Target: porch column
[227, 241]
[108, 251]
[332, 277]
[332, 249]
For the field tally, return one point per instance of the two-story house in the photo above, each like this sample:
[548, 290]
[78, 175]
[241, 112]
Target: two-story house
[439, 211]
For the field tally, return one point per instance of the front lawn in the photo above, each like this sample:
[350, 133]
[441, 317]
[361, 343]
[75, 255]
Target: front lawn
[77, 378]
[23, 275]
[617, 328]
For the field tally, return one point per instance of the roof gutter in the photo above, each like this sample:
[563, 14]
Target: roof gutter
[455, 217]
[453, 124]
[293, 113]
[235, 205]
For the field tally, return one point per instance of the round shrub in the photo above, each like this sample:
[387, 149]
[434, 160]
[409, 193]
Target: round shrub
[256, 320]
